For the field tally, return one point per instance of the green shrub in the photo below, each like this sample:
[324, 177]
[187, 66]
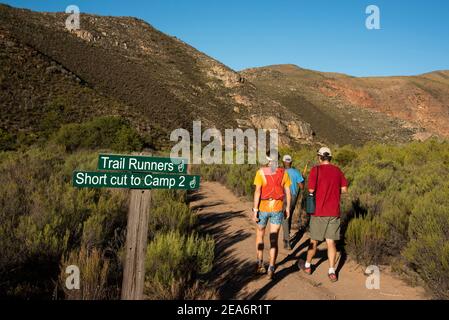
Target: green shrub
[170, 215]
[127, 139]
[345, 156]
[178, 200]
[172, 262]
[428, 249]
[366, 239]
[94, 271]
[105, 132]
[175, 254]
[7, 141]
[238, 178]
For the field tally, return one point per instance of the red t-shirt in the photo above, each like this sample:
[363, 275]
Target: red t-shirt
[330, 182]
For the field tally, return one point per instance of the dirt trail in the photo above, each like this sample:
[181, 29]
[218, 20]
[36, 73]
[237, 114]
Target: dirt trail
[227, 218]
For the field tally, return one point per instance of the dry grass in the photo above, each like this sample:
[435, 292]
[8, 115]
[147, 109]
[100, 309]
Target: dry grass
[94, 269]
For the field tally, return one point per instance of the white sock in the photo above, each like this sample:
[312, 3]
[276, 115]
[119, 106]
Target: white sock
[331, 270]
[308, 265]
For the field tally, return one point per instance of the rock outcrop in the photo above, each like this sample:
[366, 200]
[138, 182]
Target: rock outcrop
[289, 131]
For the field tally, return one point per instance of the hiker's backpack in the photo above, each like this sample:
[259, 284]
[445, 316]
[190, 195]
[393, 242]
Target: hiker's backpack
[273, 190]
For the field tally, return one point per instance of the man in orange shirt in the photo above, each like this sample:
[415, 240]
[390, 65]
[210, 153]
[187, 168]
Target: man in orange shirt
[272, 187]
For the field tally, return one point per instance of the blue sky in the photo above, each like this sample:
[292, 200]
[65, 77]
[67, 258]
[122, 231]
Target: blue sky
[325, 35]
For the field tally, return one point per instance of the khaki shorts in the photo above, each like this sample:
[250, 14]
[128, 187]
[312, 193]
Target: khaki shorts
[324, 228]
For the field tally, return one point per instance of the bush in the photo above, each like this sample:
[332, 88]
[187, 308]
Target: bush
[345, 156]
[105, 132]
[172, 263]
[7, 141]
[176, 256]
[238, 178]
[169, 213]
[127, 139]
[366, 239]
[428, 249]
[94, 271]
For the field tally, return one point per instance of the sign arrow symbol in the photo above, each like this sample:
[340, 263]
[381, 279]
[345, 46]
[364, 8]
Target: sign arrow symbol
[193, 183]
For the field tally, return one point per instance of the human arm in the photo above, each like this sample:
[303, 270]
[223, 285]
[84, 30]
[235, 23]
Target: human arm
[256, 201]
[311, 184]
[288, 198]
[300, 180]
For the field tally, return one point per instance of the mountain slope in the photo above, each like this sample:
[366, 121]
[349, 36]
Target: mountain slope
[384, 108]
[124, 66]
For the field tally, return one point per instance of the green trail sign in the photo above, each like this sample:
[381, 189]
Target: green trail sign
[129, 180]
[141, 164]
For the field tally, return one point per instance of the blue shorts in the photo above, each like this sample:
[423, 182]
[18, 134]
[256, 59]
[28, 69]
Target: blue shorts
[274, 217]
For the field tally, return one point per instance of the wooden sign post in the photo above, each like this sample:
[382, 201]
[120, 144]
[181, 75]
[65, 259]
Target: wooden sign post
[137, 173]
[136, 245]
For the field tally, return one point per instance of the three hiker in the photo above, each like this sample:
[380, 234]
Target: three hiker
[275, 197]
[297, 185]
[272, 189]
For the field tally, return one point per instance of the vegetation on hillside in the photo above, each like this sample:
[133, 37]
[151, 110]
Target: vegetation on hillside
[107, 132]
[397, 210]
[350, 110]
[156, 81]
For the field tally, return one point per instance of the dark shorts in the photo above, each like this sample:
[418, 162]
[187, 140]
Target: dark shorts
[324, 228]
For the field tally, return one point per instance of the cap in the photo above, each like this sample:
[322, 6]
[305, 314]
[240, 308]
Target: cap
[287, 158]
[324, 150]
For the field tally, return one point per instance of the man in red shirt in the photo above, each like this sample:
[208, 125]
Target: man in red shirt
[328, 182]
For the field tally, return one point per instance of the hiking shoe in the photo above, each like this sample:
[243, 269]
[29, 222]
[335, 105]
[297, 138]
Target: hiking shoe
[261, 269]
[308, 270]
[332, 277]
[287, 245]
[270, 272]
[302, 266]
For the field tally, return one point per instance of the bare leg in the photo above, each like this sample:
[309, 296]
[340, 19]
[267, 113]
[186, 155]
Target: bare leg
[312, 250]
[259, 242]
[331, 252]
[286, 229]
[274, 236]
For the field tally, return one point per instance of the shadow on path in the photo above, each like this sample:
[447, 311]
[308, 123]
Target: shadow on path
[229, 273]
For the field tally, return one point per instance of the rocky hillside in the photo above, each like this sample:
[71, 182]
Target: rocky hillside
[122, 66]
[341, 108]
